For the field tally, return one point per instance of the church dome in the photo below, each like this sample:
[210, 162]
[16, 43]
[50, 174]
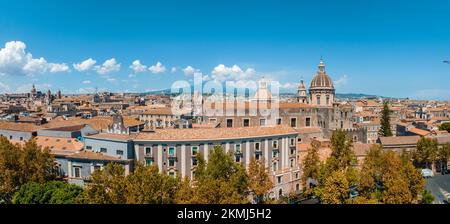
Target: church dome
[321, 80]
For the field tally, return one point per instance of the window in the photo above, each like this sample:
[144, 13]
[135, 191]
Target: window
[274, 166]
[297, 187]
[296, 175]
[88, 147]
[171, 151]
[97, 167]
[148, 162]
[229, 123]
[171, 162]
[148, 151]
[194, 161]
[237, 148]
[293, 151]
[291, 163]
[292, 141]
[257, 156]
[257, 146]
[318, 100]
[294, 122]
[172, 174]
[328, 99]
[194, 150]
[275, 154]
[275, 144]
[280, 193]
[10, 137]
[21, 138]
[77, 172]
[212, 120]
[246, 122]
[308, 122]
[103, 150]
[278, 121]
[119, 152]
[237, 158]
[262, 122]
[279, 179]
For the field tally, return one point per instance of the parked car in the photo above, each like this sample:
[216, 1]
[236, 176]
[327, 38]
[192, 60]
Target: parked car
[353, 191]
[427, 173]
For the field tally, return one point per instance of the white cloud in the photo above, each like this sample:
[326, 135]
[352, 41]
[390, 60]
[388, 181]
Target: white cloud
[289, 85]
[14, 60]
[137, 67]
[58, 68]
[189, 70]
[108, 66]
[86, 65]
[222, 73]
[341, 81]
[131, 75]
[87, 82]
[111, 79]
[173, 70]
[158, 68]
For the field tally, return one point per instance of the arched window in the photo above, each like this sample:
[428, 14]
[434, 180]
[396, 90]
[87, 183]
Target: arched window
[318, 100]
[328, 99]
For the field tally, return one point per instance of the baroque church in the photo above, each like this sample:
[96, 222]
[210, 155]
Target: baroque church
[315, 108]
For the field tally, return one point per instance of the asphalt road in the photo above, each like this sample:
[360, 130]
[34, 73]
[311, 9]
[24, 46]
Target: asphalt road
[439, 185]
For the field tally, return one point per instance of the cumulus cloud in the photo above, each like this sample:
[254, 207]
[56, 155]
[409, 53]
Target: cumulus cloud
[341, 81]
[289, 85]
[15, 60]
[189, 70]
[158, 68]
[87, 82]
[223, 73]
[85, 65]
[137, 67]
[108, 66]
[58, 68]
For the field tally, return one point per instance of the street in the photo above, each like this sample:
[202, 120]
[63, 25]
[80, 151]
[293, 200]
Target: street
[439, 186]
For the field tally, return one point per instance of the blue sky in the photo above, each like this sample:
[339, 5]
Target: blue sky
[390, 48]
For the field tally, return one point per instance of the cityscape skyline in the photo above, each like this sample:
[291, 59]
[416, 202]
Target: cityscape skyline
[147, 48]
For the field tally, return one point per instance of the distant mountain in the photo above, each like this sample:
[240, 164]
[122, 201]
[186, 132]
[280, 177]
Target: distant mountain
[338, 95]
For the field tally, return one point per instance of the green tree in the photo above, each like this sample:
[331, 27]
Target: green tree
[385, 129]
[149, 186]
[221, 180]
[22, 164]
[426, 151]
[342, 155]
[107, 186]
[396, 187]
[259, 182]
[427, 197]
[371, 172]
[335, 189]
[416, 183]
[443, 154]
[52, 192]
[311, 164]
[185, 192]
[445, 126]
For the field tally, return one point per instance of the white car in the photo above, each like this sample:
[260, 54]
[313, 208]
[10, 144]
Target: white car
[427, 173]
